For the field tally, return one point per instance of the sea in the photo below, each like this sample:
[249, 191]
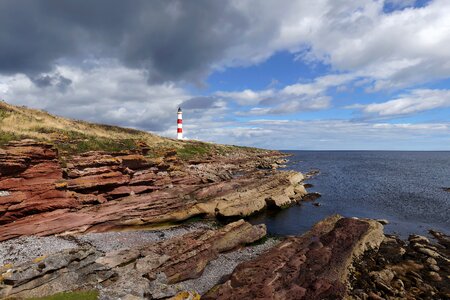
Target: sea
[404, 187]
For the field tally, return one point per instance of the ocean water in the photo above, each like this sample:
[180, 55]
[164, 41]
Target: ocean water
[406, 188]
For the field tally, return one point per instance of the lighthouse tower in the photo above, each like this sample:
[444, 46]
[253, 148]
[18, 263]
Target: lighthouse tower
[180, 124]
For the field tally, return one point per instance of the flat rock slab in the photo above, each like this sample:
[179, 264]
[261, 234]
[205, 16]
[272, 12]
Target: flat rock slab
[138, 271]
[312, 266]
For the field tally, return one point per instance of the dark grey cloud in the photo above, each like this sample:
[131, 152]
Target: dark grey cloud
[173, 40]
[48, 80]
[199, 103]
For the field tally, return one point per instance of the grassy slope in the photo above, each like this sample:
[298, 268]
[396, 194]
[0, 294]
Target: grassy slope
[74, 136]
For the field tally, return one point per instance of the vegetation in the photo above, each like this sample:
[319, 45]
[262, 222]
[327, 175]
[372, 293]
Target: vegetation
[194, 149]
[73, 136]
[77, 295]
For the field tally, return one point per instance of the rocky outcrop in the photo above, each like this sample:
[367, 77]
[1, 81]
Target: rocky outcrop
[138, 272]
[99, 191]
[251, 193]
[416, 269]
[313, 266]
[29, 174]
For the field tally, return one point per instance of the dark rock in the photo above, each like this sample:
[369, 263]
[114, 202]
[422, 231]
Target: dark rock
[312, 173]
[415, 270]
[311, 196]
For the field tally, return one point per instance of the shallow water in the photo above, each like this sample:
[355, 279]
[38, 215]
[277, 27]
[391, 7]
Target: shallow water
[405, 188]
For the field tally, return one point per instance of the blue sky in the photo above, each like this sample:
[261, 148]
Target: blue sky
[371, 74]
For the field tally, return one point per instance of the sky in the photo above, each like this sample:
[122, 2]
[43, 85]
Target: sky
[278, 74]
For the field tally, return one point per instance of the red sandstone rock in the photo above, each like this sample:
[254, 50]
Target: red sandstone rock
[100, 191]
[143, 177]
[313, 266]
[98, 182]
[134, 161]
[129, 270]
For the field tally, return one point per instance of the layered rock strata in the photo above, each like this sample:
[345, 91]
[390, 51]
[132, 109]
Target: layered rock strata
[138, 272]
[100, 191]
[315, 265]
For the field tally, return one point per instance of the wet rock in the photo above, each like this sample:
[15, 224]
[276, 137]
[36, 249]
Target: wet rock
[312, 173]
[311, 196]
[442, 239]
[418, 239]
[382, 221]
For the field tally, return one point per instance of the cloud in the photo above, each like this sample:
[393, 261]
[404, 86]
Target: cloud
[416, 101]
[290, 99]
[171, 40]
[186, 40]
[319, 86]
[107, 93]
[248, 96]
[328, 134]
[199, 103]
[291, 106]
[397, 50]
[132, 64]
[47, 80]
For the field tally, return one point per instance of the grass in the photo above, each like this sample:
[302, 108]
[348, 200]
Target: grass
[6, 137]
[76, 295]
[194, 150]
[74, 136]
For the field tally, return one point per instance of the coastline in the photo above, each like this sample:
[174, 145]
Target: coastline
[89, 230]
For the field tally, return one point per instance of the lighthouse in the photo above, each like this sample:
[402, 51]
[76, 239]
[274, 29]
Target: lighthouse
[180, 124]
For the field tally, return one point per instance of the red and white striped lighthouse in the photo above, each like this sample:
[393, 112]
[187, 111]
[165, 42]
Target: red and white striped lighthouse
[180, 124]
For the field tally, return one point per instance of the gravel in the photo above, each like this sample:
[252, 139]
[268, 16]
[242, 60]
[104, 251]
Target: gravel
[217, 269]
[29, 247]
[110, 241]
[23, 249]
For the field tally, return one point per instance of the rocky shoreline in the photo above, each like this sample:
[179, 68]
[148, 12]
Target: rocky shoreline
[415, 269]
[99, 191]
[117, 223]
